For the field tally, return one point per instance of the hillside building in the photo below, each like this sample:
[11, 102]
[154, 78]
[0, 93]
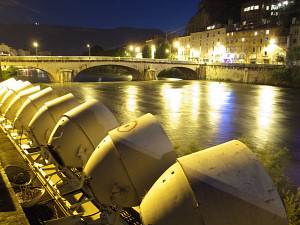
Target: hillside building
[295, 33]
[262, 11]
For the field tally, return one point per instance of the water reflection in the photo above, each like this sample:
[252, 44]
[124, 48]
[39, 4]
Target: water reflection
[217, 97]
[173, 102]
[195, 100]
[89, 93]
[265, 108]
[131, 98]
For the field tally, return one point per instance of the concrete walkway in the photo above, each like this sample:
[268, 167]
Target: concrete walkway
[10, 209]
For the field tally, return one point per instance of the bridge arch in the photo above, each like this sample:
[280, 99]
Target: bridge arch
[135, 73]
[185, 72]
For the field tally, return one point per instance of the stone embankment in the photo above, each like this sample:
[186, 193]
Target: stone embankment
[243, 73]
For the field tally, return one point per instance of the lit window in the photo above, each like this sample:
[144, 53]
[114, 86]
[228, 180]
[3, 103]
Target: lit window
[255, 33]
[243, 39]
[245, 9]
[256, 7]
[231, 33]
[267, 31]
[227, 34]
[267, 8]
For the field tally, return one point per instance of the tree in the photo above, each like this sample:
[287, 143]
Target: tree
[10, 72]
[146, 53]
[96, 50]
[280, 59]
[163, 51]
[293, 54]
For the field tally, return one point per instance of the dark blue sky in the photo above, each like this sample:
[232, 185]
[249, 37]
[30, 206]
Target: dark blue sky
[167, 15]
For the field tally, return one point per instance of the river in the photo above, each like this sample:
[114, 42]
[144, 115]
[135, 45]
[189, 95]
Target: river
[208, 113]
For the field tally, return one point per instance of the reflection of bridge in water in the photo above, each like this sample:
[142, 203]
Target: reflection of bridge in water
[62, 69]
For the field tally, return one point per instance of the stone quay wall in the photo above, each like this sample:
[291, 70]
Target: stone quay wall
[242, 73]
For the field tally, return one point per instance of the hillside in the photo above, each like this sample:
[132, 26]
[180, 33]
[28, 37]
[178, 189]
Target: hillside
[63, 40]
[213, 12]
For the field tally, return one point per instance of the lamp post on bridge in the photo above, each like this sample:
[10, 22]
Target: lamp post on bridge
[88, 45]
[35, 44]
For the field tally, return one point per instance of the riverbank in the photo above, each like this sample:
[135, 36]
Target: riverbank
[275, 75]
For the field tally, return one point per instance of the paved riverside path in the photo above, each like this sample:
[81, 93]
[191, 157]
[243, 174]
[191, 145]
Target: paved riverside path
[10, 210]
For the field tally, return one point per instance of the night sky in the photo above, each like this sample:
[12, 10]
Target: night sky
[167, 15]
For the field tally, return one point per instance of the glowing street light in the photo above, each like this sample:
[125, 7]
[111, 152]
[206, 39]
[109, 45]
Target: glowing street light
[88, 45]
[272, 41]
[131, 48]
[35, 44]
[153, 49]
[137, 49]
[176, 44]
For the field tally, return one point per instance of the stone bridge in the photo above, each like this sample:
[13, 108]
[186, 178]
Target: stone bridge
[62, 69]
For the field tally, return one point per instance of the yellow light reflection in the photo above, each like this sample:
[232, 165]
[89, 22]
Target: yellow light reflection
[217, 97]
[265, 109]
[173, 100]
[89, 93]
[195, 98]
[131, 98]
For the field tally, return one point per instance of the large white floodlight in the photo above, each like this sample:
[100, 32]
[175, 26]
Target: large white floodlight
[225, 184]
[47, 117]
[3, 84]
[12, 93]
[10, 85]
[128, 161]
[78, 133]
[31, 107]
[18, 101]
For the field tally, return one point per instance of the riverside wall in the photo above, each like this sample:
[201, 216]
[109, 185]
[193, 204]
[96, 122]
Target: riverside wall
[242, 73]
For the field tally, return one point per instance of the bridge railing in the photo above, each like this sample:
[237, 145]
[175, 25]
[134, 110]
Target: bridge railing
[90, 59]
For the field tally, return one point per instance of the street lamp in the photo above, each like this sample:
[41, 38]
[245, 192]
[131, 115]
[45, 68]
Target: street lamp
[35, 44]
[88, 45]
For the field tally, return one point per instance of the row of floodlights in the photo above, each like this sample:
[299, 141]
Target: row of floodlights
[136, 165]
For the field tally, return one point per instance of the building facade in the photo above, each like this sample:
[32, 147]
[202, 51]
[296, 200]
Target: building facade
[295, 33]
[205, 46]
[261, 46]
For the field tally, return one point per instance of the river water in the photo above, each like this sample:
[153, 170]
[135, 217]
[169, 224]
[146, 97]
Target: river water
[208, 113]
